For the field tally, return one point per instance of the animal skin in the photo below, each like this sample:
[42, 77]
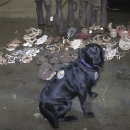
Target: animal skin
[76, 79]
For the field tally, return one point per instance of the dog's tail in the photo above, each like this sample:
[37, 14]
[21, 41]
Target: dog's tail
[50, 117]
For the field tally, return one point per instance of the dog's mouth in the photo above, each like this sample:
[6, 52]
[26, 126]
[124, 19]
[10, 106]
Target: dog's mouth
[96, 61]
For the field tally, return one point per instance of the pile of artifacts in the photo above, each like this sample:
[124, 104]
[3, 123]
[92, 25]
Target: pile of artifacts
[58, 51]
[25, 54]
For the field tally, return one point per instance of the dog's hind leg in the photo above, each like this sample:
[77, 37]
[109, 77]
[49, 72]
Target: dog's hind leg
[49, 115]
[61, 110]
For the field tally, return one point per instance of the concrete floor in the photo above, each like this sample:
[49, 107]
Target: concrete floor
[20, 86]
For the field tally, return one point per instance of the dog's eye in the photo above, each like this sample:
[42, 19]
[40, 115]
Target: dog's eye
[97, 50]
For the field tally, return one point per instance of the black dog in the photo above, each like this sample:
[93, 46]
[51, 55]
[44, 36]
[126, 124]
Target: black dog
[74, 80]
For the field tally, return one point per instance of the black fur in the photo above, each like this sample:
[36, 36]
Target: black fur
[79, 77]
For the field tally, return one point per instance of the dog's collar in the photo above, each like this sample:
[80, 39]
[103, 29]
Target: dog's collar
[86, 64]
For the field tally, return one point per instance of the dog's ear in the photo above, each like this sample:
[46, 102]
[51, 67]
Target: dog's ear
[81, 54]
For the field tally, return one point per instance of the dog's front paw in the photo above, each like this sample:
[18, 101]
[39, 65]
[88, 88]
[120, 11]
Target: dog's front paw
[89, 114]
[93, 95]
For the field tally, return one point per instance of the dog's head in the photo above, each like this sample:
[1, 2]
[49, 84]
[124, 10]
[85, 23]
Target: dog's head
[92, 54]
